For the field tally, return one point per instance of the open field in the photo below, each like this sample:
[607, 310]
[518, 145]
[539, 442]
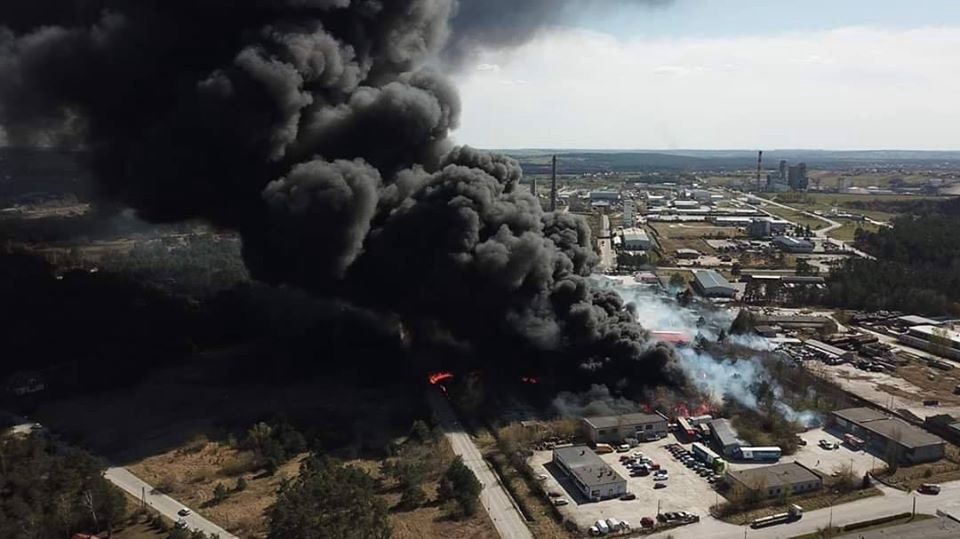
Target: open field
[848, 231]
[190, 474]
[825, 202]
[673, 236]
[796, 217]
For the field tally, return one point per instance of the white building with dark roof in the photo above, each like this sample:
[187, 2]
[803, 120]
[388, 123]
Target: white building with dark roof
[593, 477]
[615, 429]
[790, 478]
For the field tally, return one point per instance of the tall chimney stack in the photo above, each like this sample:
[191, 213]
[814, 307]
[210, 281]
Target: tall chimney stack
[553, 186]
[533, 187]
[759, 169]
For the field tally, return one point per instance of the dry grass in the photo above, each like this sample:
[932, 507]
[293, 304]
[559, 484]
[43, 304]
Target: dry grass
[910, 477]
[809, 502]
[191, 473]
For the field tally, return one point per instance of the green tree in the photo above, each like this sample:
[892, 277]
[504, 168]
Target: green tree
[328, 500]
[220, 493]
[677, 282]
[412, 497]
[460, 484]
[421, 432]
[241, 484]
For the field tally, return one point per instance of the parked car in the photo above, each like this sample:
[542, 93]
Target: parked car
[929, 488]
[663, 475]
[828, 445]
[184, 512]
[554, 494]
[594, 531]
[659, 485]
[647, 522]
[559, 502]
[623, 448]
[628, 497]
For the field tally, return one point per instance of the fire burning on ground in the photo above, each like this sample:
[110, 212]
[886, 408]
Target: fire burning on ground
[440, 376]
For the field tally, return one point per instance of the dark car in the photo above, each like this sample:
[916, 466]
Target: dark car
[928, 488]
[628, 496]
[659, 485]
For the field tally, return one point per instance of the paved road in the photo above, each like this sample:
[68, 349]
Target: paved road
[166, 505]
[892, 502]
[505, 517]
[822, 232]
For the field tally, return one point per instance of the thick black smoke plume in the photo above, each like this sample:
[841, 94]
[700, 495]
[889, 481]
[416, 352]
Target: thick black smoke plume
[501, 24]
[316, 129]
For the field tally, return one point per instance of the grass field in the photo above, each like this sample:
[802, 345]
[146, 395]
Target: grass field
[824, 202]
[849, 229]
[796, 217]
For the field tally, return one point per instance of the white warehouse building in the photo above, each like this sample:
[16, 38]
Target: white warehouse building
[636, 239]
[593, 477]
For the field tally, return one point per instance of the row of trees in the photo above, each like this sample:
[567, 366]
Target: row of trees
[51, 493]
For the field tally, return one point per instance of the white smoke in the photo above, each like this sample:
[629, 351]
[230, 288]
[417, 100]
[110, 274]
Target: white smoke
[718, 378]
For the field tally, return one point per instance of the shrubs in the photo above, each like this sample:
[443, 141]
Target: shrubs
[460, 484]
[272, 445]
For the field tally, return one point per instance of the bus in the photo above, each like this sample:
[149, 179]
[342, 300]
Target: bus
[771, 454]
[853, 442]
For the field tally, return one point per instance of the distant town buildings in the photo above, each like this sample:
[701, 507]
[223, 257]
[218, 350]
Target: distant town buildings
[788, 178]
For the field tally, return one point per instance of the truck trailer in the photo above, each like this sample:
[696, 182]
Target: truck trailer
[794, 514]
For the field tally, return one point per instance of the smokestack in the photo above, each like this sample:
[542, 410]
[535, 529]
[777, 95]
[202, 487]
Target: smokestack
[533, 187]
[553, 186]
[759, 168]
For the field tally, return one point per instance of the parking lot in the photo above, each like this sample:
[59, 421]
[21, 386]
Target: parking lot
[685, 490]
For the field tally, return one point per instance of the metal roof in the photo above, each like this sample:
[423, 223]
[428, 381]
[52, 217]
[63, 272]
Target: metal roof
[712, 279]
[860, 415]
[625, 420]
[723, 431]
[902, 432]
[586, 466]
[778, 475]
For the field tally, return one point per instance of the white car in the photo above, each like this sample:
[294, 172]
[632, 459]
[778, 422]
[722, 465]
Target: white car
[661, 475]
[559, 502]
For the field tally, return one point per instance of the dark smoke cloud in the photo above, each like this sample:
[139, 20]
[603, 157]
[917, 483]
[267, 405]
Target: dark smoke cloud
[504, 24]
[316, 129]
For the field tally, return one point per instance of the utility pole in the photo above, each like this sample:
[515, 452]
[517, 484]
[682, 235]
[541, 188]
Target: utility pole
[759, 169]
[143, 497]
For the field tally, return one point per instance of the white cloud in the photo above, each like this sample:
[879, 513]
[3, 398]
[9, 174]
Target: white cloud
[846, 88]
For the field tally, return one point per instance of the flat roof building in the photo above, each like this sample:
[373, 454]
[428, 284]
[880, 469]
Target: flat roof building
[881, 432]
[938, 340]
[617, 428]
[593, 477]
[789, 478]
[711, 284]
[688, 254]
[793, 245]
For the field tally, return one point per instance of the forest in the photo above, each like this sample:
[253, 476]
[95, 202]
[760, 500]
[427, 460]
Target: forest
[917, 268]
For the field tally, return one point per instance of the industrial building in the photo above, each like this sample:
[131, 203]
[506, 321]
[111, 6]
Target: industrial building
[881, 431]
[938, 340]
[604, 196]
[711, 284]
[797, 177]
[790, 478]
[829, 354]
[765, 227]
[725, 437]
[636, 239]
[793, 245]
[796, 322]
[617, 428]
[594, 478]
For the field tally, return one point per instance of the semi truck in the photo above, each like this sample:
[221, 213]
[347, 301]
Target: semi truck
[794, 513]
[769, 454]
[707, 456]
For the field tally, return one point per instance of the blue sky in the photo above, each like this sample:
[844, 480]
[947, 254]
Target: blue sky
[841, 74]
[724, 18]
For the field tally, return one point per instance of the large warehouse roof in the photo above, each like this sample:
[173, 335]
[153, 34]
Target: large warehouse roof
[709, 279]
[904, 433]
[610, 421]
[724, 432]
[860, 415]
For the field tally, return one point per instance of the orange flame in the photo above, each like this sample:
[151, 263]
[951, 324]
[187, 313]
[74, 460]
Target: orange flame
[437, 377]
